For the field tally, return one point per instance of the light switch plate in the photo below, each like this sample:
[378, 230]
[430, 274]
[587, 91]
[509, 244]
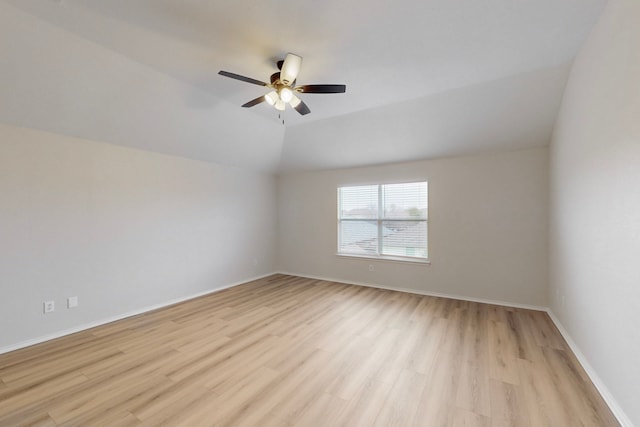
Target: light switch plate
[72, 302]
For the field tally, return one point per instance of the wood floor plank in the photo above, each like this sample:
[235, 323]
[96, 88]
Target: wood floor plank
[324, 410]
[33, 420]
[290, 351]
[34, 399]
[300, 385]
[173, 410]
[57, 365]
[427, 346]
[464, 418]
[101, 397]
[366, 361]
[503, 353]
[572, 390]
[473, 390]
[437, 402]
[235, 398]
[363, 409]
[399, 409]
[509, 407]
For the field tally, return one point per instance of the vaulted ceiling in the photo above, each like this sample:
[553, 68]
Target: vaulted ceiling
[424, 78]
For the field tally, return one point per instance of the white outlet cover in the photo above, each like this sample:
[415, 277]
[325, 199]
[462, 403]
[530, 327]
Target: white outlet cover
[72, 302]
[49, 306]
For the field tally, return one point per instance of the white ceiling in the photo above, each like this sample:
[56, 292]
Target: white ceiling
[445, 77]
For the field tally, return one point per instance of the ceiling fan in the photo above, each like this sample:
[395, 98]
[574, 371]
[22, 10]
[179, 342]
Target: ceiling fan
[283, 85]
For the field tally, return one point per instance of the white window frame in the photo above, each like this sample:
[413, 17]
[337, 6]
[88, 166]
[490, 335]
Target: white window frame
[380, 220]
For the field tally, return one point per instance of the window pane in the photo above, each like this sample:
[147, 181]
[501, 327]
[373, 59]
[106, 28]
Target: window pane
[389, 220]
[405, 201]
[359, 202]
[359, 237]
[404, 238]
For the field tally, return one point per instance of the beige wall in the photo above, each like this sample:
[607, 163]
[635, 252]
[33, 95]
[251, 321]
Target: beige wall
[120, 228]
[487, 227]
[595, 206]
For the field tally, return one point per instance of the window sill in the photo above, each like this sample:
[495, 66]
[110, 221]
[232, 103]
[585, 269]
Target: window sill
[421, 261]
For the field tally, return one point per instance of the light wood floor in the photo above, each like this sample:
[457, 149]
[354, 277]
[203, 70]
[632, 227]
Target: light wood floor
[290, 351]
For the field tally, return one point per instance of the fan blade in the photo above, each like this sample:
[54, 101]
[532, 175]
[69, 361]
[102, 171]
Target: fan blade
[290, 68]
[322, 89]
[242, 78]
[253, 102]
[299, 106]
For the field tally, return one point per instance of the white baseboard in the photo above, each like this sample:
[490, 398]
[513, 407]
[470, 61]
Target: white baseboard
[422, 292]
[595, 379]
[101, 322]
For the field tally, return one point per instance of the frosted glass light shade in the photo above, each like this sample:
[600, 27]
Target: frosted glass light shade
[295, 101]
[290, 68]
[286, 94]
[272, 97]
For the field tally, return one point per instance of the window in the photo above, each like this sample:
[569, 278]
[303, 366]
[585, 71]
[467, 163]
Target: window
[383, 221]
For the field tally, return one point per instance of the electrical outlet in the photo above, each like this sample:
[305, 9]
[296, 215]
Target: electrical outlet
[72, 302]
[49, 306]
[371, 267]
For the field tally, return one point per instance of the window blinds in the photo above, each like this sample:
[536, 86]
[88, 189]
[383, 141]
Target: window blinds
[383, 220]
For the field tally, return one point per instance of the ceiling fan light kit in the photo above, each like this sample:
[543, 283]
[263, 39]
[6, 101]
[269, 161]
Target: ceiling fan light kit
[282, 83]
